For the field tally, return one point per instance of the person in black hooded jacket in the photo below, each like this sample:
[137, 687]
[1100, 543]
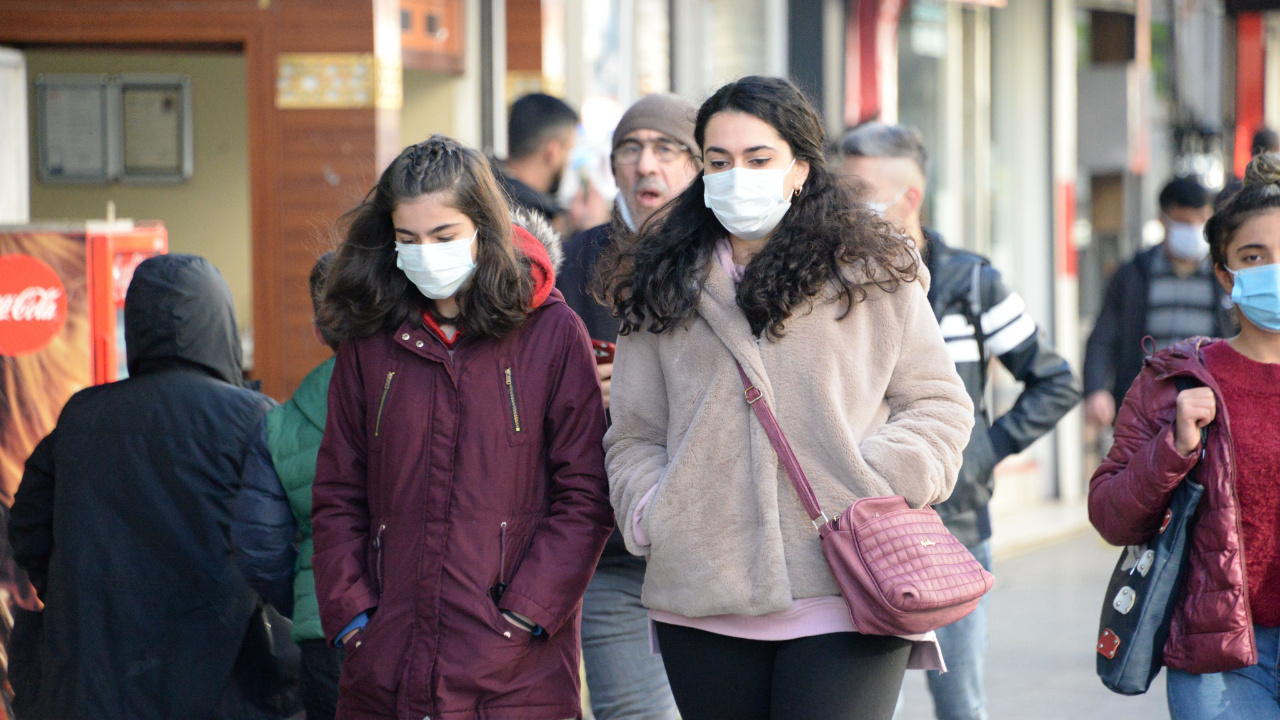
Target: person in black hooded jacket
[123, 518]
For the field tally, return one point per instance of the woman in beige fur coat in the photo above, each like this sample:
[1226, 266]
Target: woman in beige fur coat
[769, 260]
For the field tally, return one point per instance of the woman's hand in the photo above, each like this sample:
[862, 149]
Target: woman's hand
[1197, 407]
[1100, 408]
[520, 621]
[605, 372]
[350, 634]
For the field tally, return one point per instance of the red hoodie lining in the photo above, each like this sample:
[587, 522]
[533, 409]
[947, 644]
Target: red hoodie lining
[434, 327]
[544, 280]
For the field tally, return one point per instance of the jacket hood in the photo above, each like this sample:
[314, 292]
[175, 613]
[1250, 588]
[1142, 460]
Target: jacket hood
[178, 310]
[541, 244]
[1182, 358]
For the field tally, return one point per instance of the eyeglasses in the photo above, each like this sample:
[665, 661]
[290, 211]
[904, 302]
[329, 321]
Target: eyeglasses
[629, 152]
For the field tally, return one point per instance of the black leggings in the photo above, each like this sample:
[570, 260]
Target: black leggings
[840, 676]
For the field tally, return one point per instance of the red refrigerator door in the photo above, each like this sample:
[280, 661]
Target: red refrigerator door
[114, 252]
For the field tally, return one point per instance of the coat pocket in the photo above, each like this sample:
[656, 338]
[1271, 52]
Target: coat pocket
[499, 587]
[377, 559]
[372, 663]
[514, 537]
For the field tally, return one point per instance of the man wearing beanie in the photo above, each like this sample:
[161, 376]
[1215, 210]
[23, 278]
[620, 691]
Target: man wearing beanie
[654, 159]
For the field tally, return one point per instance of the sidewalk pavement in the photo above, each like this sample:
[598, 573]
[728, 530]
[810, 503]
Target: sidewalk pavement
[1043, 624]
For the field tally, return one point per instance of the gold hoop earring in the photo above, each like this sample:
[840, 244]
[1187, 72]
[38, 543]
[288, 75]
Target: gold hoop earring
[795, 194]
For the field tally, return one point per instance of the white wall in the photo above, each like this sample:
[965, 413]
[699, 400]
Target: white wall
[15, 179]
[1022, 202]
[1022, 193]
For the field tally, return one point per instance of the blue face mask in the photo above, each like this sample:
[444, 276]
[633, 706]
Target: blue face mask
[1257, 293]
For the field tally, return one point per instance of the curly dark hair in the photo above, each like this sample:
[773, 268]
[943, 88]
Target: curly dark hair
[366, 293]
[827, 238]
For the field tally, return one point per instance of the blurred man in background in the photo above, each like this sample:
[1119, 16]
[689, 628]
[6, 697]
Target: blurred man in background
[540, 137]
[1167, 292]
[981, 319]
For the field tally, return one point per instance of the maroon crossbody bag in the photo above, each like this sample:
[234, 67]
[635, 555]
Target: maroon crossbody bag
[900, 570]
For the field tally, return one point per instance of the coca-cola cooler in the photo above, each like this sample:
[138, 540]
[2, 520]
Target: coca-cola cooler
[62, 288]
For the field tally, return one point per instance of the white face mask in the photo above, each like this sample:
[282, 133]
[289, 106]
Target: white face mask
[1186, 241]
[438, 269]
[625, 211]
[748, 203]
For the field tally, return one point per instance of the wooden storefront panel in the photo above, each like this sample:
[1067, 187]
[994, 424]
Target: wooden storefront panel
[306, 167]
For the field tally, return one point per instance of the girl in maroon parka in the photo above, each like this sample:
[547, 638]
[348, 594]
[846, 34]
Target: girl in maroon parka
[1223, 649]
[460, 501]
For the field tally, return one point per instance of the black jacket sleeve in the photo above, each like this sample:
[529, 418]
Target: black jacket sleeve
[573, 279]
[1100, 351]
[263, 527]
[1050, 389]
[31, 518]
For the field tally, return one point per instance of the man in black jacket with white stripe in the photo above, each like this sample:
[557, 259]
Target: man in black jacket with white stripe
[981, 319]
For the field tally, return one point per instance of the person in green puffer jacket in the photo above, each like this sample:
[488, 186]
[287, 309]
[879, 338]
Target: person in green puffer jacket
[294, 431]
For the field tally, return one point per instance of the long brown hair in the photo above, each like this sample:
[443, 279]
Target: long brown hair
[366, 293]
[654, 282]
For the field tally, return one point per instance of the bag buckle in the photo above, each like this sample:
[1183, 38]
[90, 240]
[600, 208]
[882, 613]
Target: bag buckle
[818, 525]
[751, 399]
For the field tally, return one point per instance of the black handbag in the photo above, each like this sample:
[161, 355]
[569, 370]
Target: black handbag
[269, 667]
[1144, 588]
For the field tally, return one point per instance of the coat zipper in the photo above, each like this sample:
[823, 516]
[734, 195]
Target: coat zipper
[377, 545]
[515, 412]
[386, 388]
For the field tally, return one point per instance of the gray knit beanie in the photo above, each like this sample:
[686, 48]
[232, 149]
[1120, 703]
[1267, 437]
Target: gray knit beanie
[666, 113]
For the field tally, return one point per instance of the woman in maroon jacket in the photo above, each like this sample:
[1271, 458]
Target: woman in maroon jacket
[1224, 644]
[460, 501]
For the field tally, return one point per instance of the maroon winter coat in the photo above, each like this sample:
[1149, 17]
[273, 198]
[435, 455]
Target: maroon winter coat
[1212, 628]
[437, 479]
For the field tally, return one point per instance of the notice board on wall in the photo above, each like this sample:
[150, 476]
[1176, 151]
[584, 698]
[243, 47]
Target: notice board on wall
[78, 122]
[132, 128]
[157, 135]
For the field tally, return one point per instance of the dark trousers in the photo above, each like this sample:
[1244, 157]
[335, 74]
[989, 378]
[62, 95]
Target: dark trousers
[321, 665]
[839, 676]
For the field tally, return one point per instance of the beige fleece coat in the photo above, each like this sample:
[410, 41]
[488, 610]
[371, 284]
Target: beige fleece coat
[871, 404]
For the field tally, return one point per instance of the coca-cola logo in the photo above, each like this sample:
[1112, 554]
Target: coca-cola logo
[33, 304]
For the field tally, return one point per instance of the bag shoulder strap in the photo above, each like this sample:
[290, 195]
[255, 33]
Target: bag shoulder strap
[786, 455]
